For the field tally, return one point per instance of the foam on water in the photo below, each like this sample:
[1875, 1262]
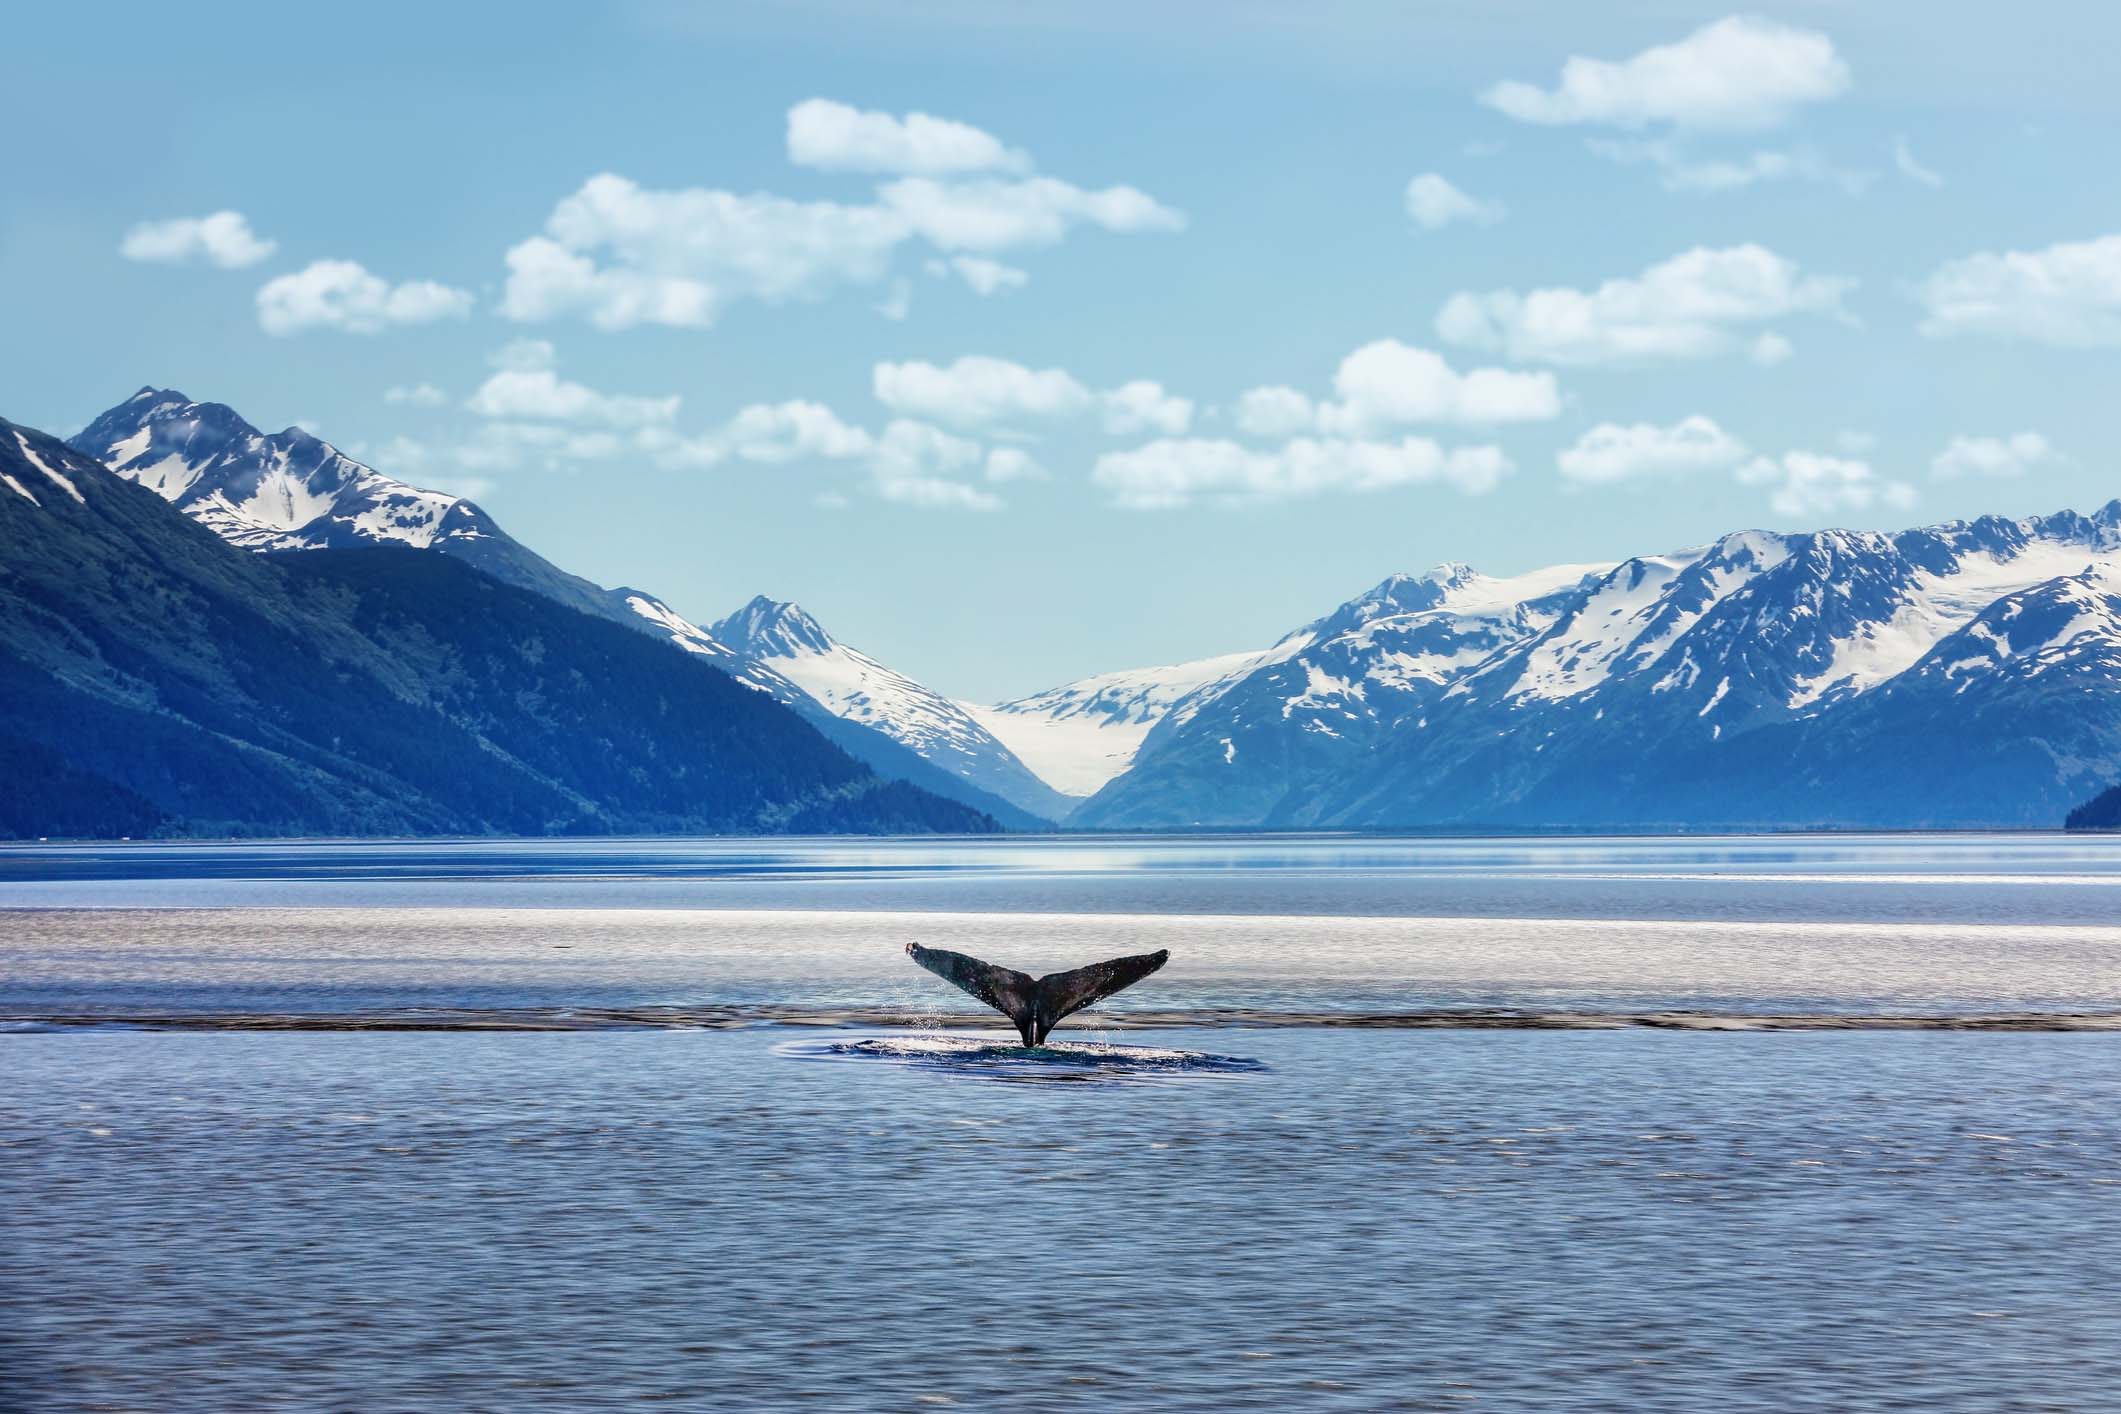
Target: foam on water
[997, 1057]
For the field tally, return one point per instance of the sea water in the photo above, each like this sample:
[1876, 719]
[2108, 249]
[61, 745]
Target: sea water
[773, 1212]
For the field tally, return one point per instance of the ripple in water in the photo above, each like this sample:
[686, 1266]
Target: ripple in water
[1071, 1062]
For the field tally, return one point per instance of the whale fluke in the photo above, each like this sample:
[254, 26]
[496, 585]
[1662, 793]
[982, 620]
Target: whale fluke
[1036, 1005]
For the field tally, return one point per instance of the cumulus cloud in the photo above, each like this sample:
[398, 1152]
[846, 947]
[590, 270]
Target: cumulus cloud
[788, 431]
[991, 215]
[1812, 484]
[1013, 464]
[341, 294]
[1387, 383]
[1735, 74]
[619, 254]
[1611, 452]
[1275, 412]
[1171, 473]
[224, 239]
[917, 465]
[674, 257]
[507, 446]
[835, 137]
[1434, 203]
[2067, 294]
[909, 461]
[419, 395]
[981, 275]
[1144, 406]
[1691, 306]
[2013, 456]
[526, 386]
[977, 390]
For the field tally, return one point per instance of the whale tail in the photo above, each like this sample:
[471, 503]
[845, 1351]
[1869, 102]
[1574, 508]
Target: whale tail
[1036, 1005]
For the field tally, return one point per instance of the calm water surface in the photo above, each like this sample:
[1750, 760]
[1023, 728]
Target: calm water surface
[1189, 1218]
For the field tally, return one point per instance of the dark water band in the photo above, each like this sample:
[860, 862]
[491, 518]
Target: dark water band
[722, 1018]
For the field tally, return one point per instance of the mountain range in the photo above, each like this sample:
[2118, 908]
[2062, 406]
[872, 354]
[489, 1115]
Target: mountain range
[289, 491]
[154, 679]
[1965, 674]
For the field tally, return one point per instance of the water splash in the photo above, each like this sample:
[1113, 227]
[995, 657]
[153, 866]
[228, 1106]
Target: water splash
[1069, 1062]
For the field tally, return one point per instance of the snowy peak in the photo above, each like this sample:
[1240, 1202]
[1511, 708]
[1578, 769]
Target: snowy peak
[2062, 622]
[772, 628]
[682, 631]
[1455, 695]
[779, 637]
[37, 470]
[286, 491]
[1080, 735]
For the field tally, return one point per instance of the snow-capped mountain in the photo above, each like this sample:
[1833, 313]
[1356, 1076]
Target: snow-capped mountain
[851, 685]
[291, 491]
[1081, 734]
[1764, 678]
[155, 679]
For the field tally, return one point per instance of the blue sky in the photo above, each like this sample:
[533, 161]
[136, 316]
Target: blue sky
[1144, 342]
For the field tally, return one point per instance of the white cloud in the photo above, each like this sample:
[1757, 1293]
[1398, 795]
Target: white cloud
[977, 390]
[224, 239]
[1687, 307]
[401, 456]
[1610, 452]
[788, 431]
[525, 355]
[2067, 294]
[1275, 412]
[491, 447]
[1810, 484]
[916, 464]
[991, 215]
[983, 276]
[1144, 406]
[525, 386]
[340, 294]
[1171, 473]
[937, 493]
[1904, 160]
[419, 395]
[1434, 203]
[1389, 382]
[506, 446]
[837, 138]
[2013, 456]
[1770, 349]
[1737, 73]
[619, 254]
[1013, 464]
[675, 257]
[1386, 383]
[909, 462]
[1681, 169]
